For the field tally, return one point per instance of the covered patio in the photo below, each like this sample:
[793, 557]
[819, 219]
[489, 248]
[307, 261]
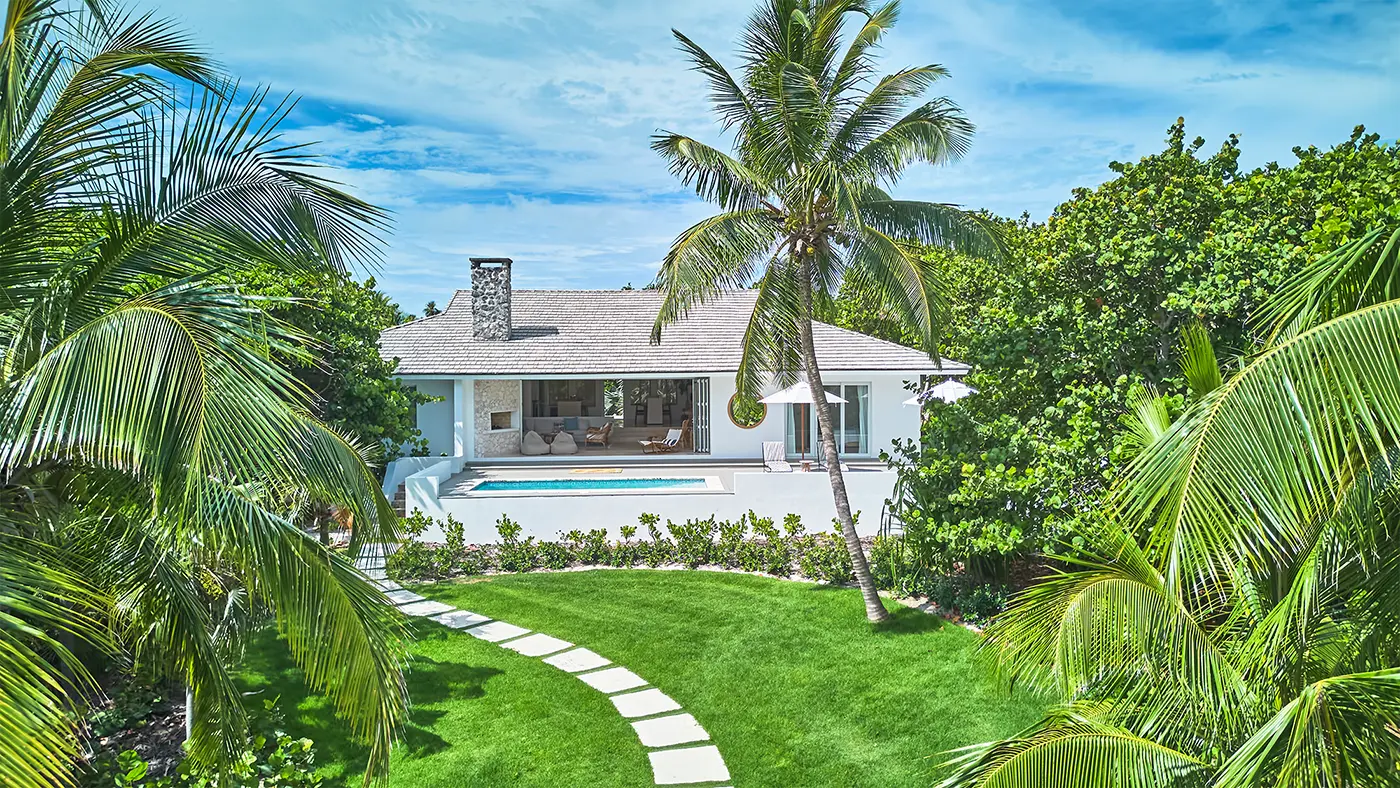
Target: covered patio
[618, 417]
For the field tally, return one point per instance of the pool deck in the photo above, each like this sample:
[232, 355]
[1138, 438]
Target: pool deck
[459, 484]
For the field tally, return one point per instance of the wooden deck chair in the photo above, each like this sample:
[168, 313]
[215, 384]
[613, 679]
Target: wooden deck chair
[599, 436]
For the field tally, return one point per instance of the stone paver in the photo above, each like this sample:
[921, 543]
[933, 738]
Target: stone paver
[669, 731]
[496, 631]
[460, 619]
[579, 659]
[612, 680]
[681, 766]
[425, 608]
[690, 765]
[538, 645]
[403, 596]
[644, 703]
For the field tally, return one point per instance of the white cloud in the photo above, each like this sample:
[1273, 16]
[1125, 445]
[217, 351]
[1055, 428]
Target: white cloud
[522, 128]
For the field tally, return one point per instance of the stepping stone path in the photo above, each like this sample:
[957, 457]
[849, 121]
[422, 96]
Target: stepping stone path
[671, 736]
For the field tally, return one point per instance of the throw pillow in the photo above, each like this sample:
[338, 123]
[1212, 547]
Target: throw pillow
[571, 424]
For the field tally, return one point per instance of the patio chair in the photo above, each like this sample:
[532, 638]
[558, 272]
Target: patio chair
[775, 457]
[675, 440]
[600, 436]
[671, 442]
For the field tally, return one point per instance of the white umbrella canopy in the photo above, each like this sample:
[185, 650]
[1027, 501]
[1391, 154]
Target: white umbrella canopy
[949, 390]
[798, 394]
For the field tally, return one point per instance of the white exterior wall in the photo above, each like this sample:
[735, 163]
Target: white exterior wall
[453, 429]
[546, 516]
[435, 418]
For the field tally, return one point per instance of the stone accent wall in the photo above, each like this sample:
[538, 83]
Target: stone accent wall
[496, 395]
[491, 298]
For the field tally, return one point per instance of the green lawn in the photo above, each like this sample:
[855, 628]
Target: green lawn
[792, 684]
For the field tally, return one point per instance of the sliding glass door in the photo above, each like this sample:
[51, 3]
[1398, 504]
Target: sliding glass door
[851, 421]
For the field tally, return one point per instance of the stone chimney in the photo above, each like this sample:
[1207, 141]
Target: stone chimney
[491, 298]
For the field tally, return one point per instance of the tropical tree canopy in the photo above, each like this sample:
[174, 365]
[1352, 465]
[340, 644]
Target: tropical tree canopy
[150, 452]
[1092, 302]
[1233, 621]
[817, 140]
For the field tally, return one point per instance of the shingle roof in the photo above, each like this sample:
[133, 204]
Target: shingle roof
[558, 332]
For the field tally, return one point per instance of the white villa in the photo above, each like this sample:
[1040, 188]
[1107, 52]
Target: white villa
[554, 408]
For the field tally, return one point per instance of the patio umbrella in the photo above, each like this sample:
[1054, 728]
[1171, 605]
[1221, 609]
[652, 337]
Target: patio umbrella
[799, 394]
[949, 390]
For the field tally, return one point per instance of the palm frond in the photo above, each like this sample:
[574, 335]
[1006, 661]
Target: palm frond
[935, 133]
[1361, 273]
[715, 176]
[856, 65]
[1080, 753]
[41, 605]
[1341, 731]
[934, 224]
[720, 253]
[1199, 364]
[1147, 419]
[906, 283]
[726, 95]
[1247, 473]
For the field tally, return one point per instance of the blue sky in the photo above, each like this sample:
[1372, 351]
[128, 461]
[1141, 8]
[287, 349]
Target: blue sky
[521, 129]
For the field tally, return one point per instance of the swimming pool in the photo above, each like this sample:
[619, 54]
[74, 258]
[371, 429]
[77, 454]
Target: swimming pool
[587, 485]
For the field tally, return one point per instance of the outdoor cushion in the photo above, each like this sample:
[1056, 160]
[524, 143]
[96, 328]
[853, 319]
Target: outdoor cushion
[563, 444]
[571, 424]
[533, 445]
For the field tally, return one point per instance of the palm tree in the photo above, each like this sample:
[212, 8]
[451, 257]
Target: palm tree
[803, 208]
[147, 443]
[1236, 620]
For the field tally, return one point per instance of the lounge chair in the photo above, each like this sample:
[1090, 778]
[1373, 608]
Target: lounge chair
[671, 442]
[775, 457]
[600, 436]
[675, 440]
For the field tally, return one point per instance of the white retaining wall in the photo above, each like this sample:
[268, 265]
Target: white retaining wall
[546, 516]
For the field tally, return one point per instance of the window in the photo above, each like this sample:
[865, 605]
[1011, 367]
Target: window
[746, 413]
[850, 420]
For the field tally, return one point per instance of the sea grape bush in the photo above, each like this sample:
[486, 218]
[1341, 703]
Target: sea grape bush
[751, 543]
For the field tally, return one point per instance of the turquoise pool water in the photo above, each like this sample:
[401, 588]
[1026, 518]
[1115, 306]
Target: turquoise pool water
[535, 485]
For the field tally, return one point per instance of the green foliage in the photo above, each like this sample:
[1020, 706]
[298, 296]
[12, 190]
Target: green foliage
[271, 759]
[150, 441]
[1091, 304]
[694, 540]
[133, 703]
[1230, 616]
[356, 390]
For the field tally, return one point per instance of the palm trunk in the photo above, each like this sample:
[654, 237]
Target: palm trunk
[874, 608]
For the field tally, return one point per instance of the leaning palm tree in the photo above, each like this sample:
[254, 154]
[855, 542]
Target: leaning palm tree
[816, 138]
[1236, 618]
[145, 436]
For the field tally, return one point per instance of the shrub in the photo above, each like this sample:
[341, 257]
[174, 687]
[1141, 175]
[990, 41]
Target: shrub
[271, 758]
[552, 555]
[411, 561]
[753, 556]
[694, 541]
[825, 558]
[731, 539]
[594, 547]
